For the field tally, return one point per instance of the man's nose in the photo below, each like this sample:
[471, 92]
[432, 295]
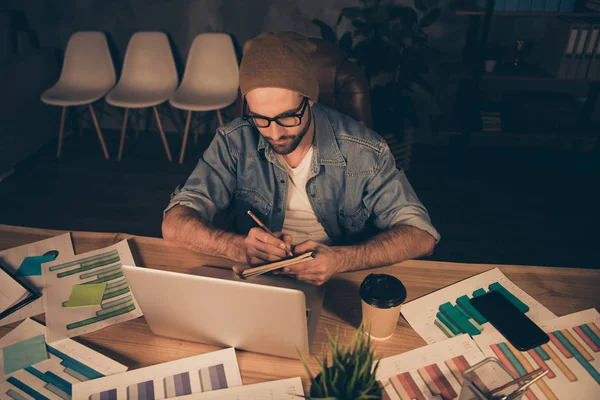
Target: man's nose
[275, 131]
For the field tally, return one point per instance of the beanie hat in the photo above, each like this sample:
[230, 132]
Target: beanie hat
[279, 60]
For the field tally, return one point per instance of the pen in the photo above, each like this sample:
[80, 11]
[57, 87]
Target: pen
[264, 227]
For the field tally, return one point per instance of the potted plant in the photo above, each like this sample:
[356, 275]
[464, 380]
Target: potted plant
[388, 40]
[352, 373]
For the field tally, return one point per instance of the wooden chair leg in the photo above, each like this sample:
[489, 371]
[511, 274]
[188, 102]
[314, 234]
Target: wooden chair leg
[162, 133]
[219, 117]
[123, 131]
[99, 132]
[185, 136]
[61, 131]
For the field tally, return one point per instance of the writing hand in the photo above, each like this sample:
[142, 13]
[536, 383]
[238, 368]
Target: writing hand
[327, 262]
[260, 247]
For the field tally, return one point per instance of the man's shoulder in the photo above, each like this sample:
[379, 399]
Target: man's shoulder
[351, 133]
[238, 125]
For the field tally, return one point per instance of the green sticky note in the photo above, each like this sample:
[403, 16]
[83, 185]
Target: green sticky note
[24, 354]
[86, 295]
[32, 266]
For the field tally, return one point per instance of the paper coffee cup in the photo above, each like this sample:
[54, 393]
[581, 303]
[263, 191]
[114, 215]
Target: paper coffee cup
[382, 297]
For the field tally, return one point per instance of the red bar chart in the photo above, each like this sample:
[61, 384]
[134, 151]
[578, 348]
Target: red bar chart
[572, 357]
[431, 372]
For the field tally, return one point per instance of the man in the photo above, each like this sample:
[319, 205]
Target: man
[322, 181]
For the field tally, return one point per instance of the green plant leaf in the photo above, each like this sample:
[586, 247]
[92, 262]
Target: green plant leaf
[327, 32]
[346, 42]
[351, 13]
[420, 5]
[430, 17]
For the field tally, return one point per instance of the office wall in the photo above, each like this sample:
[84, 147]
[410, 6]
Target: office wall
[55, 20]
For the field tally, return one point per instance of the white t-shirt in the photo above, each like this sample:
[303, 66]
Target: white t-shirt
[300, 220]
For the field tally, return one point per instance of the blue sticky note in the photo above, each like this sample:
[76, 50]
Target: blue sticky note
[32, 266]
[24, 354]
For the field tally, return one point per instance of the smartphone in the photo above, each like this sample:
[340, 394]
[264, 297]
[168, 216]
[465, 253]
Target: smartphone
[513, 324]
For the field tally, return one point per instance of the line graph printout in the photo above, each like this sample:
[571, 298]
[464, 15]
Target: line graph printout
[99, 266]
[204, 373]
[59, 247]
[572, 357]
[69, 363]
[285, 389]
[448, 312]
[429, 372]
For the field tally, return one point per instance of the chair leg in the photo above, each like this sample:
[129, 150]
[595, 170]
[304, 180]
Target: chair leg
[99, 132]
[123, 131]
[61, 130]
[219, 117]
[185, 135]
[162, 133]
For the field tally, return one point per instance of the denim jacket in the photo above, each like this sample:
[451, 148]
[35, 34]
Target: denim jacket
[354, 186]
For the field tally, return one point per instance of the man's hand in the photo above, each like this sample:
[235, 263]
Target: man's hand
[260, 247]
[327, 262]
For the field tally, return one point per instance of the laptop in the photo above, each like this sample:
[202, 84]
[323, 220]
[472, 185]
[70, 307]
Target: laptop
[268, 314]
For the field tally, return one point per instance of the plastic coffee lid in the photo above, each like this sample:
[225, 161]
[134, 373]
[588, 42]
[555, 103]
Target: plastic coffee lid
[382, 291]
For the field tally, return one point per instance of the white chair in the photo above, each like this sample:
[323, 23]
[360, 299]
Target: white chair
[210, 81]
[149, 78]
[87, 75]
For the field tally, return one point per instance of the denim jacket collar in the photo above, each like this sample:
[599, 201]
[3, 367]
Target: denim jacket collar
[326, 149]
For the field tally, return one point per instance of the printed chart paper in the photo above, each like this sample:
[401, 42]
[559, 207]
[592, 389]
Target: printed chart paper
[69, 363]
[59, 246]
[572, 357]
[204, 373]
[429, 372]
[99, 266]
[285, 389]
[447, 312]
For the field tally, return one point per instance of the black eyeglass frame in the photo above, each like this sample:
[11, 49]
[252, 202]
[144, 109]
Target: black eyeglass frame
[302, 110]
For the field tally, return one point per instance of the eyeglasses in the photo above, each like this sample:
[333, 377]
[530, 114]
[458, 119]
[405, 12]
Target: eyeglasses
[286, 120]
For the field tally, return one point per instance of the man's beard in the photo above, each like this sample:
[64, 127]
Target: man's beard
[287, 148]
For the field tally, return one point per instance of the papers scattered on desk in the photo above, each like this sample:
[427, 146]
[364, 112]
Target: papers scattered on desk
[447, 312]
[204, 373]
[572, 356]
[429, 372]
[98, 266]
[12, 259]
[285, 389]
[67, 363]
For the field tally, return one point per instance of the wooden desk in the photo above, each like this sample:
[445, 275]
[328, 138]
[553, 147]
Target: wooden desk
[562, 290]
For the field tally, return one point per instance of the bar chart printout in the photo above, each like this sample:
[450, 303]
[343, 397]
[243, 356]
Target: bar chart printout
[572, 357]
[96, 267]
[58, 247]
[189, 376]
[448, 312]
[69, 363]
[430, 372]
[285, 389]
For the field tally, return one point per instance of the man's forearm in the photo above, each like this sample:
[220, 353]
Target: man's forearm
[395, 245]
[186, 227]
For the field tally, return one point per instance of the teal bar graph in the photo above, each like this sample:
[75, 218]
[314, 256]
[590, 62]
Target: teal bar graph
[542, 353]
[513, 360]
[73, 364]
[451, 327]
[100, 271]
[25, 388]
[84, 260]
[511, 297]
[478, 292]
[465, 303]
[50, 378]
[13, 394]
[458, 319]
[578, 356]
